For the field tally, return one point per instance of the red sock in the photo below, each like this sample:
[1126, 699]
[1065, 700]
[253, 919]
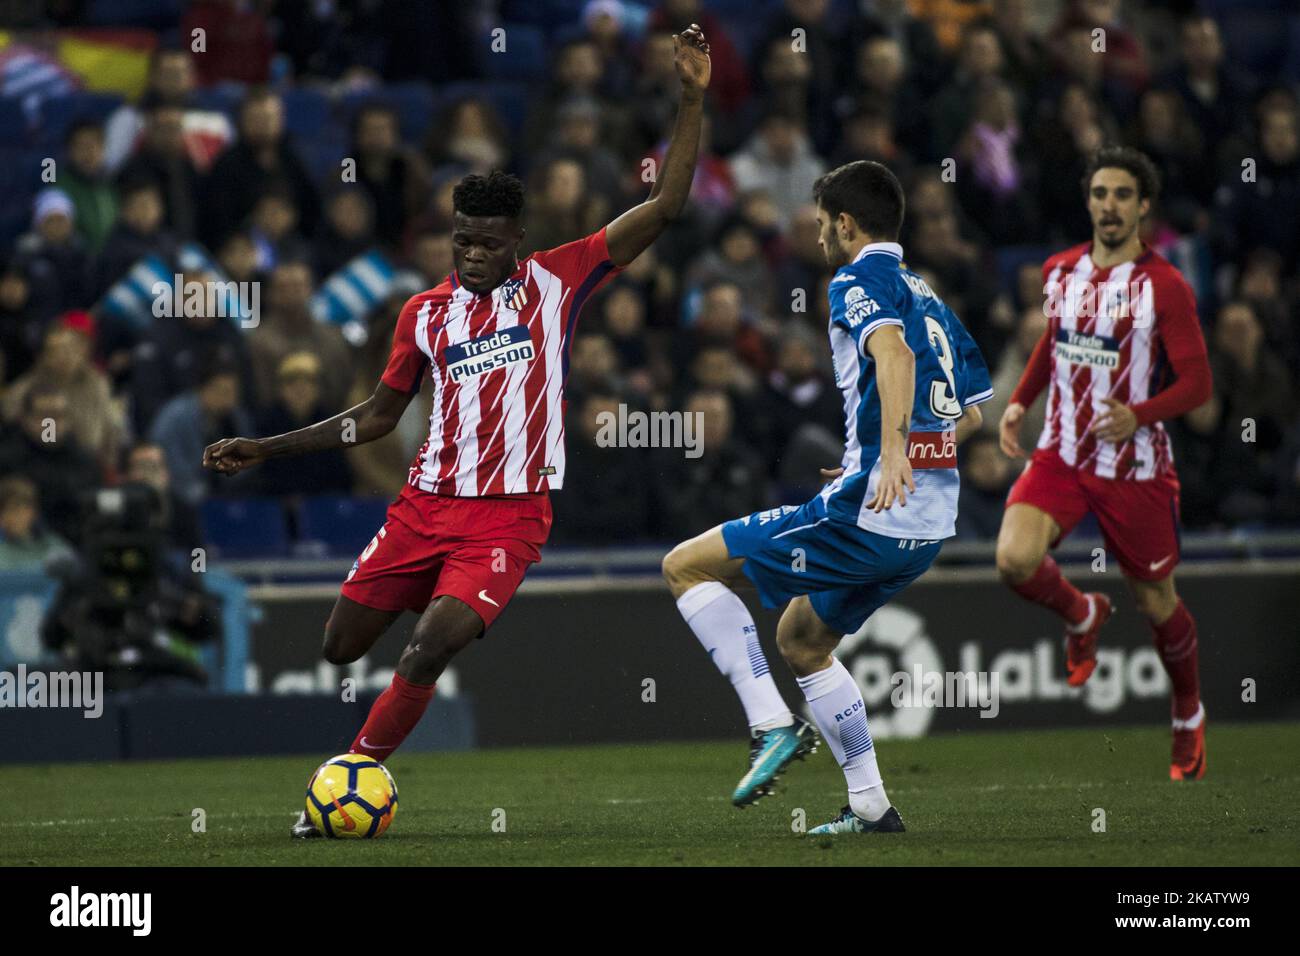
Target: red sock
[1176, 644]
[394, 715]
[1050, 589]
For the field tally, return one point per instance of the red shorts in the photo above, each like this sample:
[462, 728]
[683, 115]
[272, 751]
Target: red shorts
[1139, 519]
[475, 549]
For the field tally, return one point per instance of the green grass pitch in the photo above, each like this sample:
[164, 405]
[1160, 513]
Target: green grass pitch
[989, 798]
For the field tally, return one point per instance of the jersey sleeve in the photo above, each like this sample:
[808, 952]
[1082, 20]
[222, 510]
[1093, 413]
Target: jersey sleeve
[860, 305]
[406, 363]
[1177, 323]
[974, 386]
[583, 264]
[1179, 329]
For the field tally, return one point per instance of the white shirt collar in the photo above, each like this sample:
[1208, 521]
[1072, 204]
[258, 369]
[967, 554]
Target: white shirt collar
[892, 248]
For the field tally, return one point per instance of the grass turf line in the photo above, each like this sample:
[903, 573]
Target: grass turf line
[983, 799]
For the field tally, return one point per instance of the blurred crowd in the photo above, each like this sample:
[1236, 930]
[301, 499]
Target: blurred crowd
[986, 109]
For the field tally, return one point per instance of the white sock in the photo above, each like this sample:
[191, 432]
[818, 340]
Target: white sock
[724, 626]
[837, 708]
[1192, 722]
[1087, 621]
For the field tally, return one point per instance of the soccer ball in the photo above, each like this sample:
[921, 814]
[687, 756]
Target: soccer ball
[351, 795]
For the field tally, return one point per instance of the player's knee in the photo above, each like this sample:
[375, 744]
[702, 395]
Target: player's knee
[799, 638]
[678, 569]
[433, 645]
[1154, 604]
[336, 649]
[1015, 563]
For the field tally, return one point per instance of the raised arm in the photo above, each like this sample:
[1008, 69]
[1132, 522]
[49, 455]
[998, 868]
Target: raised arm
[375, 417]
[631, 233]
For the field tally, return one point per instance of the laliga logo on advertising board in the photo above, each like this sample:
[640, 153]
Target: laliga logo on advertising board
[900, 672]
[900, 634]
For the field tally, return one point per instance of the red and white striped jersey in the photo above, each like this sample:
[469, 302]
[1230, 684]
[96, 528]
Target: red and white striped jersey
[1112, 334]
[497, 363]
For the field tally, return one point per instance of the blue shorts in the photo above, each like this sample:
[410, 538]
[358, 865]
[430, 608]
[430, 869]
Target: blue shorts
[846, 571]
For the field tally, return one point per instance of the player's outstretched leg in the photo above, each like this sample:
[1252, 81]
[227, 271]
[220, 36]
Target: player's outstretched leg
[444, 629]
[350, 632]
[1025, 565]
[1174, 631]
[836, 703]
[700, 573]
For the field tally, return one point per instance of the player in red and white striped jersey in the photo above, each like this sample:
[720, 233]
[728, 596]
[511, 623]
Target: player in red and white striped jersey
[493, 341]
[1123, 351]
[497, 362]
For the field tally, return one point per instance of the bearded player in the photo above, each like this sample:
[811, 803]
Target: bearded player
[1123, 351]
[912, 380]
[494, 340]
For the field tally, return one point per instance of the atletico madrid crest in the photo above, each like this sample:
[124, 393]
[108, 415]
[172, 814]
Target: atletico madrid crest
[514, 294]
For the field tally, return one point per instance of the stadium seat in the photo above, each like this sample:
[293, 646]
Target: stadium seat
[525, 55]
[223, 98]
[245, 527]
[414, 102]
[343, 524]
[415, 106]
[306, 111]
[1292, 65]
[13, 122]
[547, 15]
[1011, 258]
[59, 113]
[1255, 41]
[155, 14]
[20, 179]
[510, 99]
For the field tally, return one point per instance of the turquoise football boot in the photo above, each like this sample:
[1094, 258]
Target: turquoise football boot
[850, 822]
[769, 755]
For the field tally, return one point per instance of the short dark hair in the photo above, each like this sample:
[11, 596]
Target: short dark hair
[868, 192]
[496, 194]
[1132, 161]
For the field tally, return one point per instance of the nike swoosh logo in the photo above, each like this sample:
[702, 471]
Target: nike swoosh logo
[371, 746]
[483, 596]
[1157, 565]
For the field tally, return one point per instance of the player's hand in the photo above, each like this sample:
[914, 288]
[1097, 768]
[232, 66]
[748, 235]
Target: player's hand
[1116, 424]
[691, 57]
[830, 474]
[230, 456]
[1009, 430]
[895, 478]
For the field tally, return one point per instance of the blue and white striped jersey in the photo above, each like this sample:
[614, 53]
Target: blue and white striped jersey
[872, 291]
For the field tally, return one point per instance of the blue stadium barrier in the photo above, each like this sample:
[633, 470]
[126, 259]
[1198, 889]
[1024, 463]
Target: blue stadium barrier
[245, 527]
[343, 524]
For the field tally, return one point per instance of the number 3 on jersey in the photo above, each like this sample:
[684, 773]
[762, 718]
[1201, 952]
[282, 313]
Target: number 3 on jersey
[943, 395]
